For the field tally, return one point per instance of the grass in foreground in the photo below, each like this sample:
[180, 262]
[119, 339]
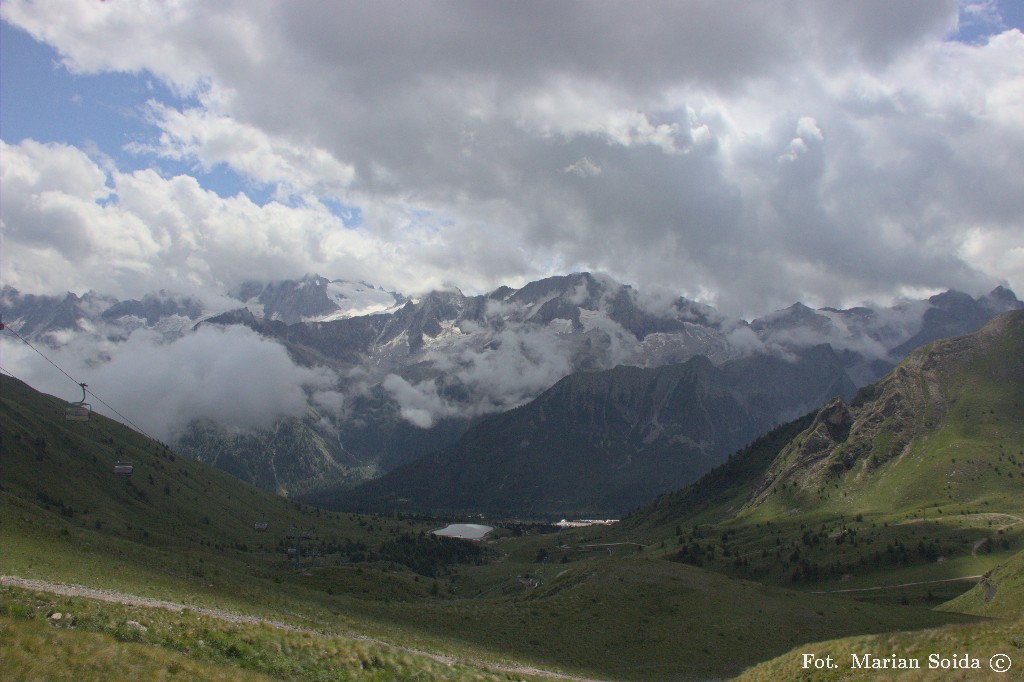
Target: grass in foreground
[34, 651]
[980, 642]
[183, 532]
[52, 637]
[991, 649]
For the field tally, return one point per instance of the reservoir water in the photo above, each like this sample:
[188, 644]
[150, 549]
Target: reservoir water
[466, 531]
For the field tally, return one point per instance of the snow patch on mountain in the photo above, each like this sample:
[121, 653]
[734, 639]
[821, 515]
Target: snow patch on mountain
[358, 298]
[561, 325]
[448, 356]
[449, 335]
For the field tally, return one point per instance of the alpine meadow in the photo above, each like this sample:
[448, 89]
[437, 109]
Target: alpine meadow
[546, 340]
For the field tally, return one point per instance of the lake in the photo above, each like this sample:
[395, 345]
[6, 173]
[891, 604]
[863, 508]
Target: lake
[466, 531]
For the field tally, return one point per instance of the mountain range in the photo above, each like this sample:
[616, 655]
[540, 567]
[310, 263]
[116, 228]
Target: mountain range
[874, 523]
[941, 430]
[423, 376]
[599, 444]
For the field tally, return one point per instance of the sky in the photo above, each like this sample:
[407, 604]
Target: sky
[747, 155]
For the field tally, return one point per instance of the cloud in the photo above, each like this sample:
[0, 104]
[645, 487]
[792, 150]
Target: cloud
[751, 154]
[419, 404]
[982, 16]
[584, 168]
[161, 387]
[330, 401]
[514, 367]
[491, 373]
[213, 139]
[870, 330]
[71, 226]
[743, 340]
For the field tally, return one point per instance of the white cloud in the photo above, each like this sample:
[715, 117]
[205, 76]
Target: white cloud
[213, 139]
[980, 14]
[995, 250]
[584, 168]
[757, 153]
[744, 340]
[70, 226]
[570, 109]
[512, 367]
[333, 402]
[170, 40]
[419, 404]
[161, 387]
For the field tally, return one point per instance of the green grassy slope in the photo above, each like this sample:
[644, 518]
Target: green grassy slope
[919, 478]
[638, 618]
[944, 430]
[908, 496]
[57, 488]
[979, 642]
[1000, 594]
[992, 642]
[182, 531]
[56, 637]
[35, 651]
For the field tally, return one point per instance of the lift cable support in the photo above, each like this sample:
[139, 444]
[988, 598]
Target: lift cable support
[296, 549]
[83, 386]
[123, 469]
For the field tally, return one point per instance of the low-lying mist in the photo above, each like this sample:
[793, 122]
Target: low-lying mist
[230, 375]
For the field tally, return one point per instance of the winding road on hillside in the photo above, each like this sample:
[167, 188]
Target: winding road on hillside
[146, 602]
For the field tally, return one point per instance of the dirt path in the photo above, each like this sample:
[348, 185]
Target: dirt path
[889, 587]
[135, 600]
[115, 597]
[606, 546]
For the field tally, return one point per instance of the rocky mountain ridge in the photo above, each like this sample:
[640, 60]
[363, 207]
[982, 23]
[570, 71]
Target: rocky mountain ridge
[886, 420]
[598, 444]
[938, 436]
[415, 374]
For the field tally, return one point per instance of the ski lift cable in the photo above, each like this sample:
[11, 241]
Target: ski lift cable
[59, 368]
[123, 469]
[78, 383]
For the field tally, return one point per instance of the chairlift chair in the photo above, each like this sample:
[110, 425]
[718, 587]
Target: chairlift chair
[123, 469]
[260, 525]
[78, 411]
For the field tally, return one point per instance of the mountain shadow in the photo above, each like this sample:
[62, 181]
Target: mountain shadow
[601, 443]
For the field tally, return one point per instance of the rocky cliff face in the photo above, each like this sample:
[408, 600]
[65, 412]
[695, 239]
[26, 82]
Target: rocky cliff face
[941, 387]
[289, 459]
